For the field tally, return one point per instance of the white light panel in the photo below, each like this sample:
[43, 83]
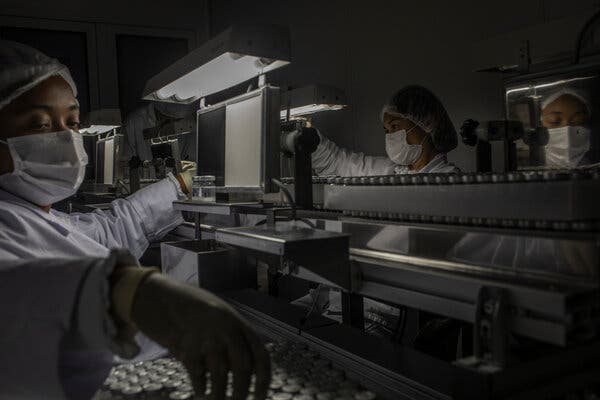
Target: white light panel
[311, 109]
[227, 70]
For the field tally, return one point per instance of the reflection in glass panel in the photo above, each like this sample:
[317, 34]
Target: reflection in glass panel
[557, 113]
[552, 256]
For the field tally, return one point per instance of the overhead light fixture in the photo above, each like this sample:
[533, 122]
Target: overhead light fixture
[98, 129]
[100, 121]
[311, 99]
[560, 82]
[236, 55]
[170, 128]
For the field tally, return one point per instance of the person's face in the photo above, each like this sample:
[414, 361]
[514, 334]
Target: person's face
[48, 107]
[393, 124]
[565, 110]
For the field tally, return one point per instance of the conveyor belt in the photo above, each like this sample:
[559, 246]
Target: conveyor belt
[559, 200]
[298, 374]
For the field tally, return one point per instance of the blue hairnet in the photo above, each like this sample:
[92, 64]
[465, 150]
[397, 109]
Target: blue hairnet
[420, 106]
[23, 68]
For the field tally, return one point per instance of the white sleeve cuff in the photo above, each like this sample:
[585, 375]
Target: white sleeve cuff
[180, 194]
[154, 204]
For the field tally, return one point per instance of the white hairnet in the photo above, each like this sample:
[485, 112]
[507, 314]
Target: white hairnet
[567, 92]
[393, 111]
[23, 67]
[420, 106]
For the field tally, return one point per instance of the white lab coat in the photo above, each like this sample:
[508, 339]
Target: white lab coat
[55, 328]
[29, 233]
[35, 299]
[330, 159]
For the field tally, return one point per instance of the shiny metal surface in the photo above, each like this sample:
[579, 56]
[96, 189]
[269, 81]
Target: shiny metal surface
[472, 203]
[253, 118]
[205, 264]
[318, 194]
[315, 253]
[281, 239]
[553, 278]
[533, 256]
[204, 207]
[546, 312]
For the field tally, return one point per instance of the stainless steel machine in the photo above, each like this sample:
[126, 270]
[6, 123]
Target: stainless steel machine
[239, 143]
[510, 259]
[524, 275]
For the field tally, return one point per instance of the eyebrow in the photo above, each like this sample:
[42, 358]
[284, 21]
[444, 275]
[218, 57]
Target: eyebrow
[47, 108]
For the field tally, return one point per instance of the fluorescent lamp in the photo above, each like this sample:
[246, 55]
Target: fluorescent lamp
[100, 121]
[98, 129]
[310, 109]
[234, 56]
[311, 99]
[548, 84]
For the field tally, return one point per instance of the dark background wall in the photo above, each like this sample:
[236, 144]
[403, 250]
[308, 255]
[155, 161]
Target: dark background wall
[112, 47]
[174, 14]
[368, 49]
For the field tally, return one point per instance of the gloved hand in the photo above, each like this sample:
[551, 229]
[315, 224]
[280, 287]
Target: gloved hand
[185, 180]
[188, 165]
[205, 334]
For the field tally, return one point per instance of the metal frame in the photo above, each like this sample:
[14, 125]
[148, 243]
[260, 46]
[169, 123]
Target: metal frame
[547, 305]
[263, 41]
[204, 207]
[398, 372]
[309, 95]
[269, 167]
[463, 292]
[544, 316]
[318, 255]
[117, 138]
[570, 200]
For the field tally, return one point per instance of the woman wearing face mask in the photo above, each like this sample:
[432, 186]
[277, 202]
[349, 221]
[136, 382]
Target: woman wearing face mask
[418, 134]
[63, 288]
[42, 161]
[566, 113]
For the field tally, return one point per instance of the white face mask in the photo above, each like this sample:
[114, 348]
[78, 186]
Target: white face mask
[398, 149]
[48, 167]
[567, 146]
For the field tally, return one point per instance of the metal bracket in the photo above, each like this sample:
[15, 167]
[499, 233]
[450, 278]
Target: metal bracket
[353, 310]
[272, 213]
[198, 217]
[262, 80]
[490, 337]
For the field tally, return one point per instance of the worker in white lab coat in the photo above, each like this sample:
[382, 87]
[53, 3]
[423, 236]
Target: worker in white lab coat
[418, 134]
[61, 287]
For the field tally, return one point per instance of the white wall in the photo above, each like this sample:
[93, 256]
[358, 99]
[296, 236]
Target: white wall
[370, 49]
